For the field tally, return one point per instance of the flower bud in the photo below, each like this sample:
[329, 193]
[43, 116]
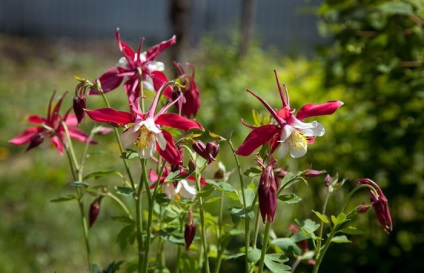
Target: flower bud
[190, 231]
[208, 151]
[362, 208]
[380, 204]
[313, 173]
[267, 194]
[79, 104]
[94, 211]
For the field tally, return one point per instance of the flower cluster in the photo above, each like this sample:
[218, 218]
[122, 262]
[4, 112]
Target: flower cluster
[172, 194]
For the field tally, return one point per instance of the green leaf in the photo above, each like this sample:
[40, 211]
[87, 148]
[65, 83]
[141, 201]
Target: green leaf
[64, 199]
[113, 267]
[79, 184]
[290, 198]
[237, 213]
[391, 8]
[126, 236]
[275, 264]
[125, 191]
[288, 245]
[169, 235]
[253, 255]
[250, 196]
[172, 177]
[323, 218]
[221, 186]
[99, 174]
[206, 191]
[340, 239]
[340, 219]
[351, 230]
[162, 198]
[129, 154]
[308, 227]
[252, 172]
[234, 256]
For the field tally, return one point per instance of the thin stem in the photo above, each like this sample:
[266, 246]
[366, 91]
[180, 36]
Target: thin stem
[202, 224]
[321, 229]
[121, 204]
[77, 175]
[324, 250]
[246, 220]
[219, 235]
[264, 246]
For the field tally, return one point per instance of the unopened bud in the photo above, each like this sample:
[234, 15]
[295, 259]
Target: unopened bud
[79, 104]
[190, 230]
[362, 208]
[267, 194]
[94, 211]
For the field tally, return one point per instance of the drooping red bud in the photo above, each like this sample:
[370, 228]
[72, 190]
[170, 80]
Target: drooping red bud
[78, 105]
[94, 211]
[267, 194]
[208, 151]
[190, 231]
[380, 204]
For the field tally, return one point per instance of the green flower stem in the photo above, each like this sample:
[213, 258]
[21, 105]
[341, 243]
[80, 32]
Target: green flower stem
[264, 246]
[178, 258]
[321, 228]
[352, 192]
[221, 247]
[255, 234]
[324, 249]
[246, 220]
[150, 200]
[77, 175]
[202, 224]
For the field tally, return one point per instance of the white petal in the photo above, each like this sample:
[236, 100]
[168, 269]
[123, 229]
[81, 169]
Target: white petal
[128, 137]
[148, 84]
[161, 141]
[169, 189]
[284, 148]
[151, 126]
[147, 152]
[286, 132]
[298, 150]
[122, 62]
[142, 56]
[308, 129]
[155, 66]
[185, 190]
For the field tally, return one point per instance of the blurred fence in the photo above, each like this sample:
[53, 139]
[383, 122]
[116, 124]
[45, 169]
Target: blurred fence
[287, 24]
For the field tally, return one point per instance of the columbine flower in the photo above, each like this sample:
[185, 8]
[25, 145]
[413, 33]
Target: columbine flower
[290, 131]
[267, 192]
[130, 66]
[380, 204]
[191, 101]
[51, 127]
[145, 129]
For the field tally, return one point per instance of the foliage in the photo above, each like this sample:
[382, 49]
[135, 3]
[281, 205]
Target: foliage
[377, 53]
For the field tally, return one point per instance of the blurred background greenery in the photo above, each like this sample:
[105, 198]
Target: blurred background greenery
[373, 62]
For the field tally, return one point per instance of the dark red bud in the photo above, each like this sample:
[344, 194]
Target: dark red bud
[362, 208]
[267, 195]
[36, 141]
[79, 104]
[190, 231]
[313, 173]
[94, 211]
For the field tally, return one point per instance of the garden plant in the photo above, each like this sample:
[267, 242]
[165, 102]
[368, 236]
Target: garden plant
[176, 189]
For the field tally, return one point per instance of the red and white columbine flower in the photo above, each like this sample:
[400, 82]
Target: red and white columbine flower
[133, 65]
[145, 129]
[51, 127]
[290, 132]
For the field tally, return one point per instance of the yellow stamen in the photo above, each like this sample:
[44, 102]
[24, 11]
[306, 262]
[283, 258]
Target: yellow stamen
[298, 141]
[144, 139]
